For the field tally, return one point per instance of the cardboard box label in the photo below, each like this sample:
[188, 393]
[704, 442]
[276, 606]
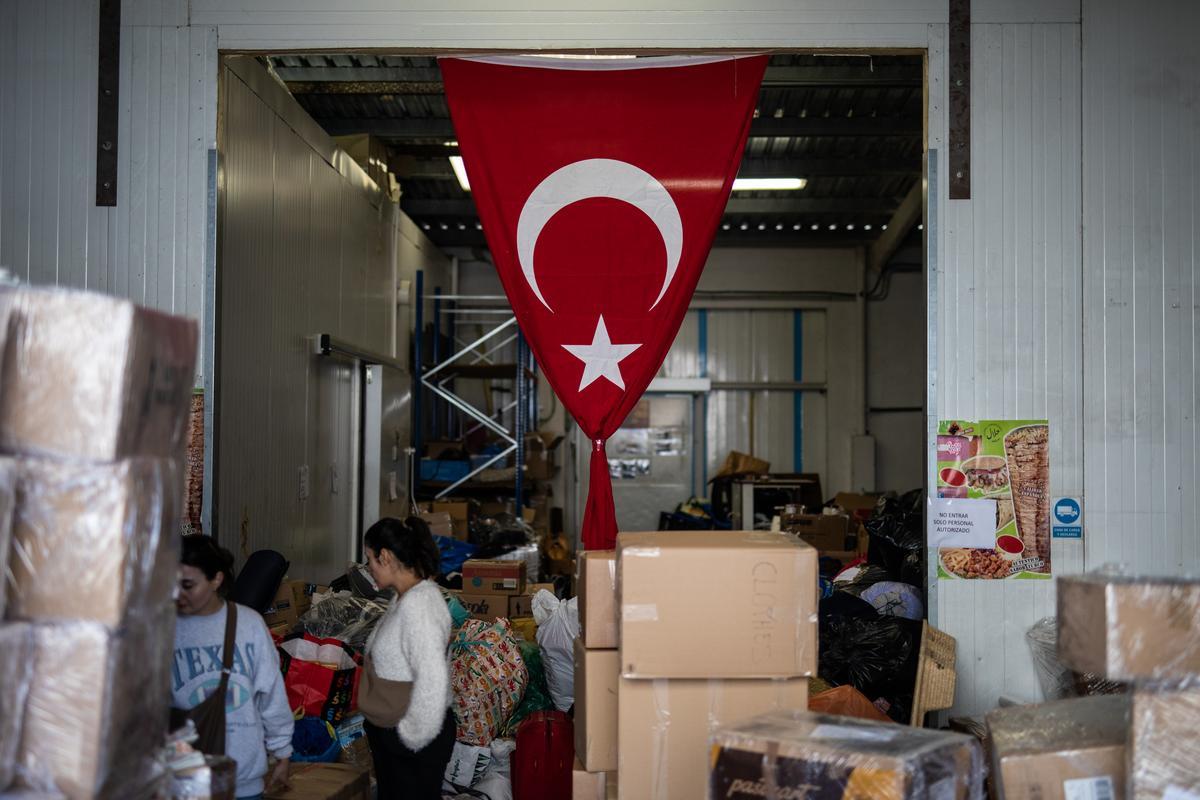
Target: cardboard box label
[1089, 789]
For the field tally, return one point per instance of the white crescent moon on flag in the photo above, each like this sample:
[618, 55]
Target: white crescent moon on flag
[599, 177]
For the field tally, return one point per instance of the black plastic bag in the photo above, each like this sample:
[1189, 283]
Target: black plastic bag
[897, 538]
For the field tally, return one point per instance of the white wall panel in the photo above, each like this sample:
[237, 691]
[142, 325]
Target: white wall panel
[1008, 326]
[1141, 165]
[150, 247]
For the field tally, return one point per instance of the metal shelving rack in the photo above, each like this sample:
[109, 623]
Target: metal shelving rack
[472, 359]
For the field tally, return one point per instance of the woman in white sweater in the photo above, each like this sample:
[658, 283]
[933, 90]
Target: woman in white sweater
[405, 690]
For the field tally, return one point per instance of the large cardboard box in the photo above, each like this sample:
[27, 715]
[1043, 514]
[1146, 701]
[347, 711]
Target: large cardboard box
[439, 523]
[1060, 750]
[460, 516]
[1127, 629]
[817, 756]
[129, 371]
[520, 605]
[592, 785]
[482, 576]
[706, 604]
[326, 782]
[94, 542]
[1164, 745]
[664, 728]
[371, 154]
[597, 584]
[97, 708]
[597, 680]
[487, 607]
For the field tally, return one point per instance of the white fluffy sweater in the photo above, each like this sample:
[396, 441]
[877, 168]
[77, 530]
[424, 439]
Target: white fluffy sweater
[410, 644]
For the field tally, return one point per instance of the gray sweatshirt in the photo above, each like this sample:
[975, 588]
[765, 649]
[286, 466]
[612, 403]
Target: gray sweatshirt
[257, 716]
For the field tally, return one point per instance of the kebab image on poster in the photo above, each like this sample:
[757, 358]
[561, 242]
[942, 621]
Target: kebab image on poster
[1007, 461]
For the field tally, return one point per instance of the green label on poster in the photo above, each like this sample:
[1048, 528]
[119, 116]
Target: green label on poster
[1007, 461]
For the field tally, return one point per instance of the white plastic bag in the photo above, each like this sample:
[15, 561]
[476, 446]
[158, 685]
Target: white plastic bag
[468, 764]
[558, 628]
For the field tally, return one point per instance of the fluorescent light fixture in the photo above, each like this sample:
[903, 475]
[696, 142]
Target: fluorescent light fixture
[460, 172]
[768, 184]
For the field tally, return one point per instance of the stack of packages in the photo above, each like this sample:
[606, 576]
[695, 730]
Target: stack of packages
[713, 628]
[597, 676]
[94, 399]
[1140, 745]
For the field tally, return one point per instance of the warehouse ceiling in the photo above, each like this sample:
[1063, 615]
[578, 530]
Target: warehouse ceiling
[851, 126]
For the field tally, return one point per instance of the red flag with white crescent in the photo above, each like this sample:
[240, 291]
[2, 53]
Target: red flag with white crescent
[600, 184]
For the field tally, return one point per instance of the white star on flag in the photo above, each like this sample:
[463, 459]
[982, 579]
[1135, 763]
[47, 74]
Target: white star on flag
[601, 358]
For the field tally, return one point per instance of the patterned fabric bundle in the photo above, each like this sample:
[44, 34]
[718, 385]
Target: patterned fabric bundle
[488, 676]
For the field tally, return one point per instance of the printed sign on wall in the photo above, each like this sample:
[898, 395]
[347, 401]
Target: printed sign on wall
[1007, 461]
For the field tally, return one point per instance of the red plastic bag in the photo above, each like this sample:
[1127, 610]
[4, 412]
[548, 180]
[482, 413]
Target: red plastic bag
[321, 676]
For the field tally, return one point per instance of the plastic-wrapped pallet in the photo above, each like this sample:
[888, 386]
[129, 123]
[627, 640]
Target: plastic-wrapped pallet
[1164, 749]
[8, 492]
[16, 649]
[130, 372]
[97, 708]
[94, 542]
[1063, 750]
[785, 755]
[1128, 627]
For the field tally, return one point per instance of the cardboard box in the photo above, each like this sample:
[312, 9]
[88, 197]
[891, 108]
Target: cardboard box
[493, 577]
[826, 532]
[439, 523]
[540, 460]
[520, 605]
[592, 785]
[460, 516]
[597, 582]
[534, 588]
[292, 601]
[371, 154]
[817, 755]
[1054, 751]
[487, 607]
[1127, 629]
[708, 604]
[94, 542]
[326, 782]
[597, 679]
[664, 728]
[1164, 749]
[97, 708]
[130, 371]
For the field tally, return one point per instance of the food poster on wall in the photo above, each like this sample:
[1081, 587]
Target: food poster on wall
[1007, 461]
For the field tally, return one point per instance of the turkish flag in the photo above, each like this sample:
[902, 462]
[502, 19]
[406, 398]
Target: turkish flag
[600, 184]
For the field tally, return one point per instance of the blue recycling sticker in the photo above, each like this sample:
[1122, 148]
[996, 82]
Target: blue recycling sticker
[1067, 518]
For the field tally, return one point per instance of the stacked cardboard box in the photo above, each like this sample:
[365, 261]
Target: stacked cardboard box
[95, 394]
[597, 674]
[1145, 632]
[713, 628]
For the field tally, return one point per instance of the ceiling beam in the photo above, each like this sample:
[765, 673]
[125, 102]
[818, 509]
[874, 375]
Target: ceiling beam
[433, 128]
[309, 79]
[465, 207]
[906, 216]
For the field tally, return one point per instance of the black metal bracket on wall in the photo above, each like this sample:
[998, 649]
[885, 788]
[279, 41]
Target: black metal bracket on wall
[960, 99]
[107, 101]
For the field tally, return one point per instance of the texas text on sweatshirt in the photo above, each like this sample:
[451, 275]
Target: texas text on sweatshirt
[257, 716]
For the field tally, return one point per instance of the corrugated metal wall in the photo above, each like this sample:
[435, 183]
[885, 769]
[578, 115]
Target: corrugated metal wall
[1141, 288]
[1008, 318]
[151, 247]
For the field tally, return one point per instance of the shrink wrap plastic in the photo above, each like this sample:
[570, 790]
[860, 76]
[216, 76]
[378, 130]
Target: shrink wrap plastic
[1059, 682]
[8, 494]
[16, 649]
[1164, 748]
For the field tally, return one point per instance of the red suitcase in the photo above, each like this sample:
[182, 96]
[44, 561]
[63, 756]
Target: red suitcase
[541, 765]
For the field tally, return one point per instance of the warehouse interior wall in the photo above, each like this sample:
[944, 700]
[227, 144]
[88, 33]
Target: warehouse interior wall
[308, 245]
[1034, 312]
